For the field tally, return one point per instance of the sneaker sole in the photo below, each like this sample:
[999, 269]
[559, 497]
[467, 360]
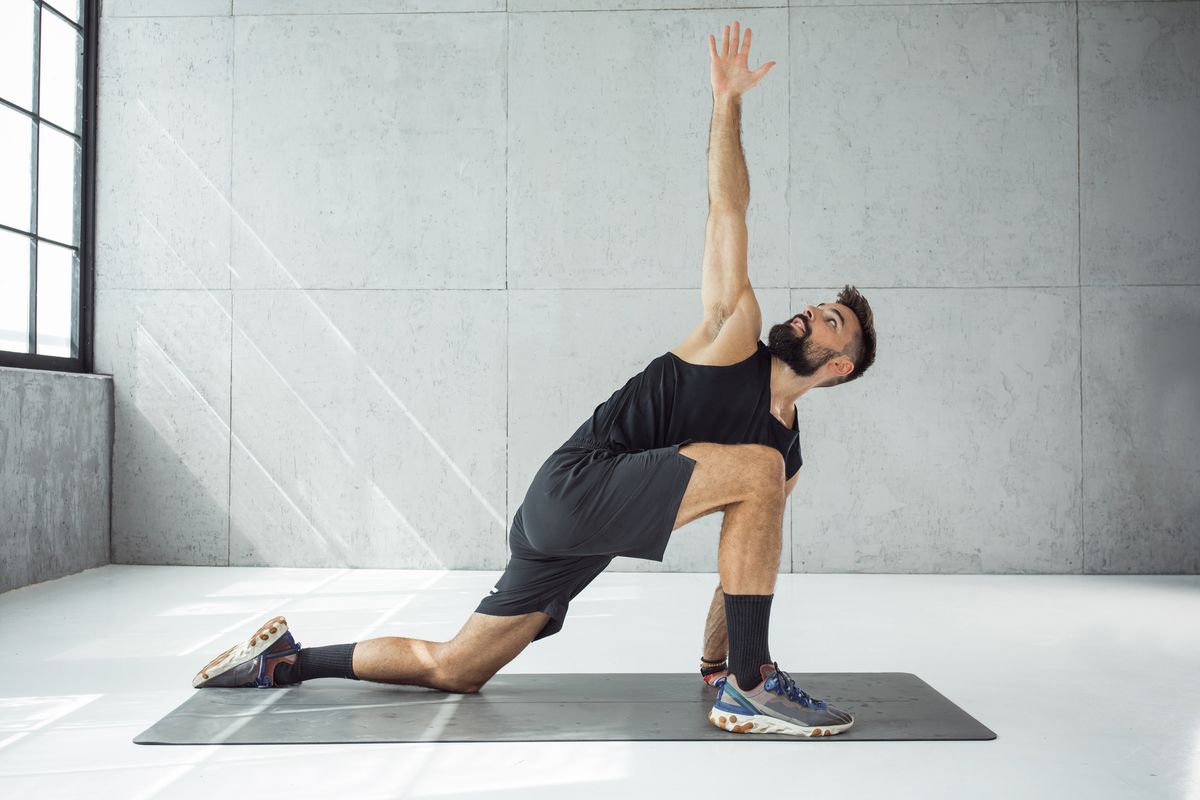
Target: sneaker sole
[240, 653]
[764, 724]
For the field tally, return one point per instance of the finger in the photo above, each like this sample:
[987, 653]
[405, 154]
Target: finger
[746, 47]
[712, 46]
[735, 37]
[725, 42]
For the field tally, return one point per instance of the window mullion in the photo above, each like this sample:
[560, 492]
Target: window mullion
[87, 178]
[39, 238]
[77, 137]
[78, 28]
[33, 210]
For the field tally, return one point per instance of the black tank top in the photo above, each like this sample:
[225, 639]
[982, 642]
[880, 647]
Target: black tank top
[672, 401]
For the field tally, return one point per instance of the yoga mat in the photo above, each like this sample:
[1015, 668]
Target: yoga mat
[552, 707]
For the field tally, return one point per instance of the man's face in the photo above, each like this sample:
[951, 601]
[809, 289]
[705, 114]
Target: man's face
[814, 337]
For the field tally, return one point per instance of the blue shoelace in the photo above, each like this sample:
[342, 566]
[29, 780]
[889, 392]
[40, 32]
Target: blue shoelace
[782, 683]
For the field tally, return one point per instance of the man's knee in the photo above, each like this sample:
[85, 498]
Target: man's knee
[484, 645]
[450, 677]
[462, 686]
[765, 470]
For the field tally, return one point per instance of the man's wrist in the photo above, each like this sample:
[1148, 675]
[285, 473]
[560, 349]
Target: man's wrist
[726, 101]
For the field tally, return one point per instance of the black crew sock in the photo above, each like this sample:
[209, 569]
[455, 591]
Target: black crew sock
[331, 661]
[747, 619]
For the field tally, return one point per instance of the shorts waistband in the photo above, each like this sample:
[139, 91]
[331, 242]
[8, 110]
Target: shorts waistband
[588, 442]
[593, 444]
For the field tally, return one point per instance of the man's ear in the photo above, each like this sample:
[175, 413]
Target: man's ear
[841, 366]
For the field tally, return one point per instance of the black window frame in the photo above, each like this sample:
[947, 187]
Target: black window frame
[84, 362]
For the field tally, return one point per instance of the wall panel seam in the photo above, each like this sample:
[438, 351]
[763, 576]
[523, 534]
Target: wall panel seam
[787, 202]
[1079, 279]
[507, 296]
[232, 292]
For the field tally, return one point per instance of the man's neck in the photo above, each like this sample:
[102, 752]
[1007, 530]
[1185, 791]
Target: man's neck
[787, 387]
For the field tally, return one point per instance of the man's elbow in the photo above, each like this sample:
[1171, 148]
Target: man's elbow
[726, 206]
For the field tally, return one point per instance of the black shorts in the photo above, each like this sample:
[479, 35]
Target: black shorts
[586, 505]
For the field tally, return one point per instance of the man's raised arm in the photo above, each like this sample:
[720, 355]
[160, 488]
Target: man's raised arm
[728, 183]
[725, 272]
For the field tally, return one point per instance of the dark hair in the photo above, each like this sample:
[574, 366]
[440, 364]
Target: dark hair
[861, 349]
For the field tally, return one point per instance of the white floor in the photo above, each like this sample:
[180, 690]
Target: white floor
[1092, 684]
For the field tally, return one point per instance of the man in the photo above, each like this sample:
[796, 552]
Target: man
[709, 426]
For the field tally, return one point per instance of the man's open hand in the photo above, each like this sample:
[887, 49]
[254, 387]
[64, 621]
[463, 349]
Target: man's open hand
[731, 77]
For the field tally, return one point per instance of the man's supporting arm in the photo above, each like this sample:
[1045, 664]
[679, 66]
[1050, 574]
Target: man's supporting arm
[716, 638]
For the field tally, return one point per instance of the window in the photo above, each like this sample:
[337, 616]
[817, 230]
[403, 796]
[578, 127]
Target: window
[47, 174]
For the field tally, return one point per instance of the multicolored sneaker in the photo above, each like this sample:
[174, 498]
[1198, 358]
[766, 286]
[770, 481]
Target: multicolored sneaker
[252, 663]
[776, 705]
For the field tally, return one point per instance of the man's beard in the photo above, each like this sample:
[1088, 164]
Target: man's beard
[804, 357]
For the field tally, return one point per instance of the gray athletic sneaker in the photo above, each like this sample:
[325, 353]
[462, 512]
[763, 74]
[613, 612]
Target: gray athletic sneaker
[251, 663]
[776, 705]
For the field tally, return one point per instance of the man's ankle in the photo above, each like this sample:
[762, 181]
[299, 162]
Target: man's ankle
[712, 667]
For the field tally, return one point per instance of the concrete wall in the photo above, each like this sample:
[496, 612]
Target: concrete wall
[55, 473]
[360, 272]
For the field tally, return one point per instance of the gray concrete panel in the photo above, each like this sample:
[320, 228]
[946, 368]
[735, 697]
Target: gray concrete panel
[168, 353]
[1139, 109]
[167, 8]
[642, 5]
[55, 474]
[1141, 434]
[369, 429]
[369, 152]
[247, 7]
[933, 145]
[162, 169]
[958, 451]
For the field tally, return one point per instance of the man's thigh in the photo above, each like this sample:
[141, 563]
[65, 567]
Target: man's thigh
[728, 473]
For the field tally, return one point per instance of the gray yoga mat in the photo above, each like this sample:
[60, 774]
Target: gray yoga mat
[545, 708]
